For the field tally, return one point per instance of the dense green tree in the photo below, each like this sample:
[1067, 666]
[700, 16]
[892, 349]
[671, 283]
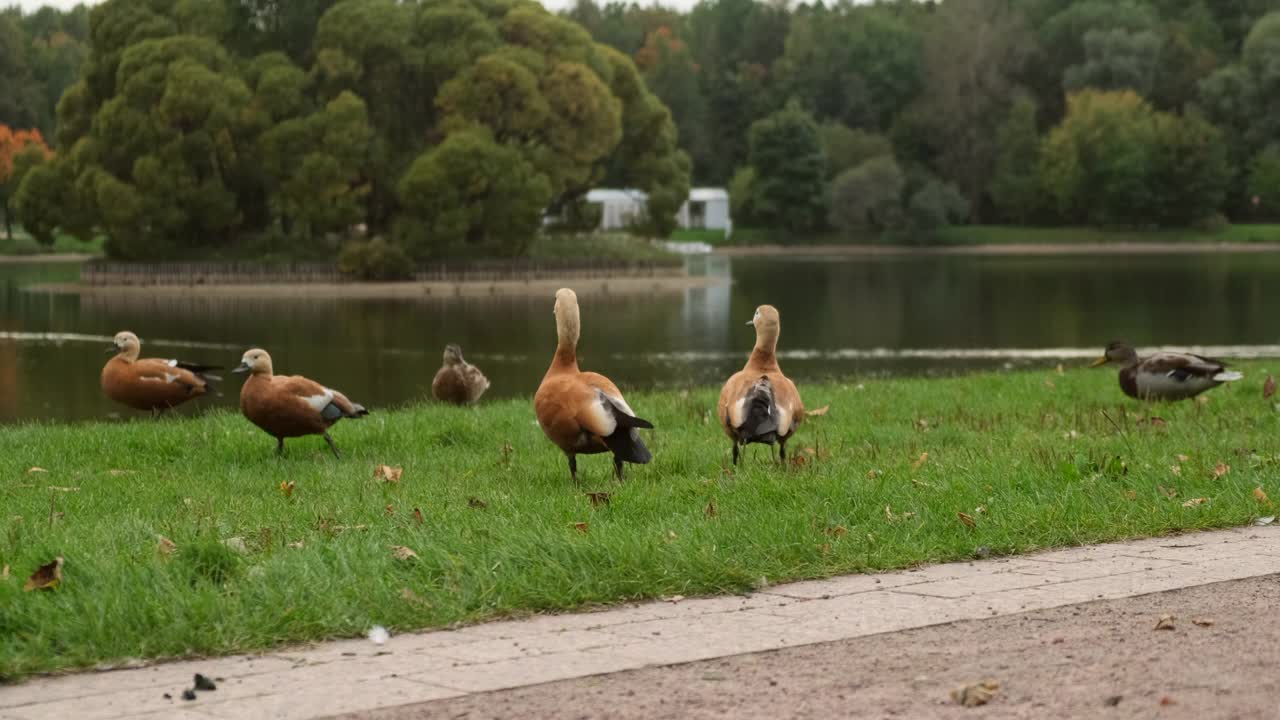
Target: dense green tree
[1189, 174]
[1264, 181]
[844, 147]
[934, 206]
[1015, 186]
[788, 190]
[20, 101]
[868, 197]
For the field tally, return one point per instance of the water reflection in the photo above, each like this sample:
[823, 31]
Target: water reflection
[841, 316]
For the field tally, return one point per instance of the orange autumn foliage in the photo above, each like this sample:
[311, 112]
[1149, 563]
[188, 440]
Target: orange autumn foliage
[13, 142]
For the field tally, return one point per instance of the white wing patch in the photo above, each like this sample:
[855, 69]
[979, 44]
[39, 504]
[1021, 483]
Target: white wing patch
[170, 377]
[171, 363]
[784, 420]
[321, 401]
[737, 413]
[602, 415]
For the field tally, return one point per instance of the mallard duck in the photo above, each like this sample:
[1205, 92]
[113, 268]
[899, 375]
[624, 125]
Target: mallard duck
[290, 406]
[583, 412]
[151, 383]
[759, 404]
[1164, 375]
[458, 381]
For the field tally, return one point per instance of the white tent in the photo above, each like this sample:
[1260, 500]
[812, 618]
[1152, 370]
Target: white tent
[706, 209]
[618, 208]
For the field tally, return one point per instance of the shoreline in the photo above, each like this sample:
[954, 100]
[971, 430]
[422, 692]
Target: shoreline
[398, 290]
[46, 258]
[1122, 248]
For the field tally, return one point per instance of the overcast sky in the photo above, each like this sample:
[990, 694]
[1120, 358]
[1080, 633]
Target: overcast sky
[550, 4]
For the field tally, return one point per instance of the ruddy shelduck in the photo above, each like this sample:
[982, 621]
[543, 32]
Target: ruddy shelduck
[1165, 375]
[151, 383]
[288, 406]
[583, 412]
[759, 404]
[458, 381]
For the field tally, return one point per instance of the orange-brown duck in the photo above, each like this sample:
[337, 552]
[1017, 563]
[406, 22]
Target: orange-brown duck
[583, 412]
[288, 406]
[759, 404]
[1165, 375]
[151, 383]
[458, 381]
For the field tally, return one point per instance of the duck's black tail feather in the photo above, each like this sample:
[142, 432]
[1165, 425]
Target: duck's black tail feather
[625, 442]
[202, 371]
[761, 422]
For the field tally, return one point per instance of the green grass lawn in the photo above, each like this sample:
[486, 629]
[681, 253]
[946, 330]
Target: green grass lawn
[1033, 459]
[601, 246]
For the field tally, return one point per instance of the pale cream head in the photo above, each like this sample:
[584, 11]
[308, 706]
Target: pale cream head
[767, 324]
[255, 362]
[568, 323]
[127, 345]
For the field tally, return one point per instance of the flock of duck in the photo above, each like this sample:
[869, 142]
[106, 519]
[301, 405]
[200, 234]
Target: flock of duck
[582, 413]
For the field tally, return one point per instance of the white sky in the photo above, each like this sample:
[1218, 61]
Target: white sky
[554, 5]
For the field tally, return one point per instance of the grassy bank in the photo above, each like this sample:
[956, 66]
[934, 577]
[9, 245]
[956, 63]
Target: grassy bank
[599, 246]
[1032, 460]
[996, 235]
[24, 244]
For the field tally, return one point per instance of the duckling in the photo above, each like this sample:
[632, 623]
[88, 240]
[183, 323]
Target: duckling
[583, 412]
[290, 406]
[151, 383]
[759, 404]
[1164, 375]
[458, 381]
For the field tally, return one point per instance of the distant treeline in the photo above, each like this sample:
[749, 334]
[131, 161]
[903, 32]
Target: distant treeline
[907, 114]
[446, 127]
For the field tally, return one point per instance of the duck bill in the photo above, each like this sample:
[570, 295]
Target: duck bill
[751, 322]
[241, 368]
[112, 350]
[1100, 361]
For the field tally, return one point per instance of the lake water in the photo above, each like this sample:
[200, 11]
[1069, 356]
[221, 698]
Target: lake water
[841, 317]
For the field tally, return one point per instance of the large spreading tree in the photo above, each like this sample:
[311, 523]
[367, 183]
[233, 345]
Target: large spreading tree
[205, 126]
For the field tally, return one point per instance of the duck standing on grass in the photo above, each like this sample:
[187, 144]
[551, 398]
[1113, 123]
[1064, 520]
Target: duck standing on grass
[290, 406]
[151, 383]
[584, 413]
[458, 381]
[759, 404]
[1164, 375]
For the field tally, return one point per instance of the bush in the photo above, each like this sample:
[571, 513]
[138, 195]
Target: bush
[375, 259]
[868, 196]
[934, 206]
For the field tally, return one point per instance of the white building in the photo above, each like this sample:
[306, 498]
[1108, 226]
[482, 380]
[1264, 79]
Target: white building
[706, 208]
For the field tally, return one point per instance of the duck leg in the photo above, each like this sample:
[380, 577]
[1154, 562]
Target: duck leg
[735, 454]
[617, 467]
[332, 446]
[782, 451]
[279, 446]
[573, 467]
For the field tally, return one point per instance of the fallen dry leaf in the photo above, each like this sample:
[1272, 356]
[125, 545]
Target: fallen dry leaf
[46, 577]
[1165, 622]
[967, 519]
[1182, 458]
[1131, 494]
[1264, 521]
[1220, 469]
[413, 597]
[980, 510]
[837, 531]
[711, 510]
[1261, 495]
[1202, 622]
[1176, 470]
[57, 488]
[975, 694]
[1049, 384]
[296, 545]
[165, 546]
[799, 460]
[1194, 502]
[1166, 700]
[819, 412]
[888, 514]
[236, 544]
[118, 473]
[581, 527]
[673, 599]
[873, 474]
[1268, 387]
[1061, 370]
[477, 503]
[1167, 492]
[400, 552]
[388, 474]
[417, 516]
[286, 487]
[389, 510]
[825, 548]
[599, 498]
[924, 457]
[36, 470]
[1156, 422]
[4, 573]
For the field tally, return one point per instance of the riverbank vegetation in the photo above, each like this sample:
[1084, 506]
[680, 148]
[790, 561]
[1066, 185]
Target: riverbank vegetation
[449, 128]
[186, 537]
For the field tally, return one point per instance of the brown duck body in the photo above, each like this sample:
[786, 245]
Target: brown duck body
[290, 406]
[458, 381]
[1165, 376]
[584, 413]
[151, 383]
[759, 404]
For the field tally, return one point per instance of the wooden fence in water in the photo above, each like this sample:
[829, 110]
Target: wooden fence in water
[105, 272]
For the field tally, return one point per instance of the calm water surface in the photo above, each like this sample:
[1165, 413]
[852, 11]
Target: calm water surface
[841, 317]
